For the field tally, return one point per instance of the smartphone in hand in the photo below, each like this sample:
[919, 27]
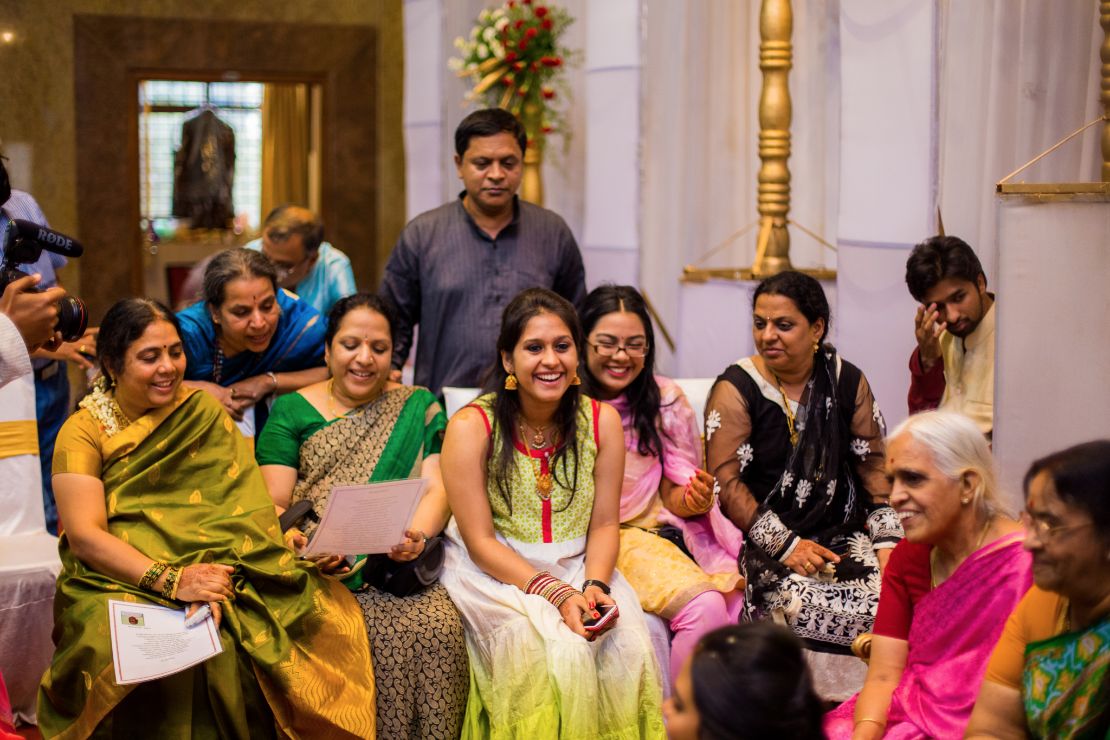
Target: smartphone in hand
[608, 613]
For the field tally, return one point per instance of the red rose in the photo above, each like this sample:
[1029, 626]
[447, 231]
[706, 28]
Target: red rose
[521, 92]
[518, 66]
[530, 33]
[510, 56]
[548, 93]
[547, 24]
[512, 3]
[546, 129]
[526, 2]
[541, 11]
[507, 81]
[523, 44]
[546, 61]
[519, 24]
[534, 67]
[557, 62]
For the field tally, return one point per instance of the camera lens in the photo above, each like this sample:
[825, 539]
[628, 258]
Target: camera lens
[73, 318]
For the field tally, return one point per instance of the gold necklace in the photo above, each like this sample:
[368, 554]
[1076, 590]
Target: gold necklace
[933, 553]
[120, 418]
[791, 416]
[332, 401]
[544, 481]
[539, 439]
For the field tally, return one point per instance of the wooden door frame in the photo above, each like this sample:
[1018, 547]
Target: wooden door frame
[111, 55]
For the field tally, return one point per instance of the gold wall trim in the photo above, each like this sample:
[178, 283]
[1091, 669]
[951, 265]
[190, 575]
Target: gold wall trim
[1053, 188]
[692, 274]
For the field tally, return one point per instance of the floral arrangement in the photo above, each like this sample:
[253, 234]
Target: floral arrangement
[513, 55]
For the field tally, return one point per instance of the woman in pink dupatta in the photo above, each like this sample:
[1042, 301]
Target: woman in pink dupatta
[667, 503]
[947, 589]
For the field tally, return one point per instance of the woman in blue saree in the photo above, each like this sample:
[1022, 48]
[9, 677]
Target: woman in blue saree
[249, 338]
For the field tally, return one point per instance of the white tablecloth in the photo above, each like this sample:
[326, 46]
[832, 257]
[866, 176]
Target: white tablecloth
[29, 567]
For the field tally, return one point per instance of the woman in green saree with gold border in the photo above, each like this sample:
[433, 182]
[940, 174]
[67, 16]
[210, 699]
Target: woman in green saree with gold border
[360, 427]
[157, 487]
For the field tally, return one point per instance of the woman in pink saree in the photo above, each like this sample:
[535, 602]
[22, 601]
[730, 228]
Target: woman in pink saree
[947, 589]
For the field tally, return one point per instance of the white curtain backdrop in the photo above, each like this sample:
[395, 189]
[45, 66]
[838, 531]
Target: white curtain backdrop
[701, 86]
[1016, 76]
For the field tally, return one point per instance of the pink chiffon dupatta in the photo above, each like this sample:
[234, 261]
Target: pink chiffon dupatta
[712, 539]
[955, 628]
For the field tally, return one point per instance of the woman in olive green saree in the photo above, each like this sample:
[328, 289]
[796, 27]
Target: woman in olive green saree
[157, 487]
[356, 428]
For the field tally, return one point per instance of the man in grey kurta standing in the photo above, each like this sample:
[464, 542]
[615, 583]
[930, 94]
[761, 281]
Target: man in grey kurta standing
[455, 268]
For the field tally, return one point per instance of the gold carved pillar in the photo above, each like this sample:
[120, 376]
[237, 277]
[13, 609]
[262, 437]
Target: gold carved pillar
[1104, 53]
[776, 53]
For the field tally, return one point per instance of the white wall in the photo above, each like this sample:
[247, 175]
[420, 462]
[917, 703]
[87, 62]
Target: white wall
[610, 240]
[887, 184]
[1053, 337]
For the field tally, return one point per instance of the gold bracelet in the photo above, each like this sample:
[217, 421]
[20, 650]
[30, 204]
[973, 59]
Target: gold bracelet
[861, 720]
[169, 586]
[151, 575]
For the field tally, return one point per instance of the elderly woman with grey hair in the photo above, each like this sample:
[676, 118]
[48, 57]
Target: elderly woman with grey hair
[947, 589]
[249, 338]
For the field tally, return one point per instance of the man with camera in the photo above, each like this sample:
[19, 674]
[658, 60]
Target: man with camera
[18, 210]
[27, 319]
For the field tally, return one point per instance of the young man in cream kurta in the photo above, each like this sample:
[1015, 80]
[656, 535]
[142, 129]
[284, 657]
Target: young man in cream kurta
[955, 325]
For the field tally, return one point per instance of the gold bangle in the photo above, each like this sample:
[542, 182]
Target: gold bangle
[169, 586]
[151, 575]
[861, 720]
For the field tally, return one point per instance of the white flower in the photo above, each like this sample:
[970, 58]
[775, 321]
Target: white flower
[460, 44]
[489, 34]
[712, 424]
[501, 23]
[804, 487]
[787, 479]
[746, 455]
[454, 64]
[497, 49]
[482, 51]
[499, 13]
[484, 15]
[474, 34]
[860, 447]
[832, 488]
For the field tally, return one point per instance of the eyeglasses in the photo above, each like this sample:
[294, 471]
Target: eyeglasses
[1046, 532]
[284, 270]
[636, 350]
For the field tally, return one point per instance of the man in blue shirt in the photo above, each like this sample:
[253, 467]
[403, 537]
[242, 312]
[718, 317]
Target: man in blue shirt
[293, 239]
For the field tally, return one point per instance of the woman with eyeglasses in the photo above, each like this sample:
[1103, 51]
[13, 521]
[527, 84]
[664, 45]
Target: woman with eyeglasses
[668, 512]
[1049, 675]
[249, 338]
[794, 437]
[948, 587]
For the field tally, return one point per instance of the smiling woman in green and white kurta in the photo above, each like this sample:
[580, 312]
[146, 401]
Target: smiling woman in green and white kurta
[533, 474]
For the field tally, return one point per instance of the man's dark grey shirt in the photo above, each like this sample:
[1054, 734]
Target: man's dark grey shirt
[454, 280]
